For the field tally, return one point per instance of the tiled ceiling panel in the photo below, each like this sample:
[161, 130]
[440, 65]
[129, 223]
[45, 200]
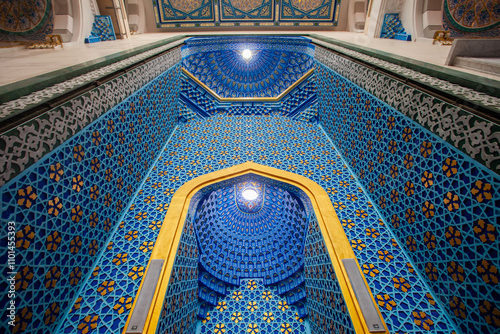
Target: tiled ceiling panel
[224, 13]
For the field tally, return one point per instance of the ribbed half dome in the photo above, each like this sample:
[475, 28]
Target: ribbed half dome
[274, 65]
[262, 238]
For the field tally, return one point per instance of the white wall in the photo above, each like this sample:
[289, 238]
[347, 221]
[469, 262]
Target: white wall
[407, 17]
[374, 21]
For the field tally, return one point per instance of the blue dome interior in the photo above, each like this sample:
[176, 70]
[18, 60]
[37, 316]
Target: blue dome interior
[276, 63]
[261, 239]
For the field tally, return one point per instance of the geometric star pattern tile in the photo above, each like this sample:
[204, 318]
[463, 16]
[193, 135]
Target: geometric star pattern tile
[198, 147]
[88, 214]
[253, 308]
[276, 63]
[67, 205]
[441, 206]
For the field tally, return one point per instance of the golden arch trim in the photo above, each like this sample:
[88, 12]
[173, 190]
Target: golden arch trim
[336, 241]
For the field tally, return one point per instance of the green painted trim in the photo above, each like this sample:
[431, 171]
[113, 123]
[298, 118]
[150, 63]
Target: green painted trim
[480, 84]
[21, 88]
[24, 87]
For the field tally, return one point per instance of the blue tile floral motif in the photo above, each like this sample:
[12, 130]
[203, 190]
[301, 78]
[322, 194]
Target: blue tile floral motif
[441, 206]
[172, 13]
[67, 204]
[202, 146]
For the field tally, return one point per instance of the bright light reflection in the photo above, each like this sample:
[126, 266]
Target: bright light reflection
[246, 54]
[249, 194]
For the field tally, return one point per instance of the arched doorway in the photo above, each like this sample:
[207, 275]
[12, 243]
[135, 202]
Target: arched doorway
[216, 278]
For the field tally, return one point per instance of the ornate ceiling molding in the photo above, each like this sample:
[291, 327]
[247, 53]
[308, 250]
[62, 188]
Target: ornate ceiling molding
[248, 13]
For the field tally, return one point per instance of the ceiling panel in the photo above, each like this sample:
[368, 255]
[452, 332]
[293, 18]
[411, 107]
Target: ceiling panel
[248, 13]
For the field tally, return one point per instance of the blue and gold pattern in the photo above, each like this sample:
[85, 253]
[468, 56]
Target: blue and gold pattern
[267, 74]
[472, 18]
[198, 147]
[26, 20]
[441, 205]
[253, 307]
[68, 204]
[246, 10]
[180, 305]
[308, 10]
[102, 29]
[183, 11]
[201, 13]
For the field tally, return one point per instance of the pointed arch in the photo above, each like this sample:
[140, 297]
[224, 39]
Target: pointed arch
[336, 241]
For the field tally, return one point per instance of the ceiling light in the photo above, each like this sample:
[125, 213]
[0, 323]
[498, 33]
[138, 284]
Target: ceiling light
[246, 54]
[249, 194]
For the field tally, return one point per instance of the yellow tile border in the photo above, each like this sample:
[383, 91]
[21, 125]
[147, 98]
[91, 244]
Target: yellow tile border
[333, 233]
[248, 99]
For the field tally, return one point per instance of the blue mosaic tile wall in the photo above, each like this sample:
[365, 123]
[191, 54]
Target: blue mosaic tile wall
[18, 150]
[180, 306]
[474, 136]
[67, 204]
[442, 206]
[200, 147]
[325, 303]
[244, 10]
[253, 307]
